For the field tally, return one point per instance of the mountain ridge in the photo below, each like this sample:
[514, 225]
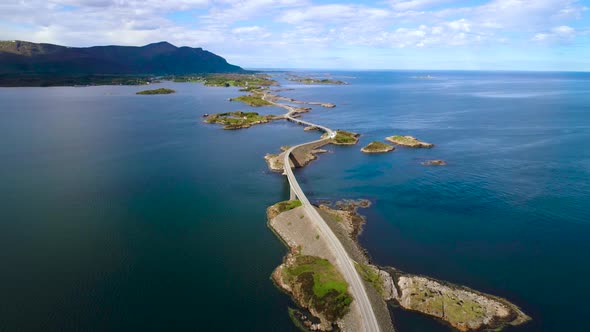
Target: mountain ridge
[161, 58]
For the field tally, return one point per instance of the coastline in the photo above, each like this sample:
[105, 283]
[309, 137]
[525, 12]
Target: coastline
[376, 279]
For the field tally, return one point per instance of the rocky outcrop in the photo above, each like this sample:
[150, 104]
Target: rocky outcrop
[343, 138]
[377, 147]
[435, 162]
[408, 141]
[463, 308]
[303, 155]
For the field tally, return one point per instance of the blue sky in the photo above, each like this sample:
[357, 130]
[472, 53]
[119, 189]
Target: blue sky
[385, 34]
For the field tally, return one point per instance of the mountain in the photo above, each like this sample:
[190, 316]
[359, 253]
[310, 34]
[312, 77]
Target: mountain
[163, 58]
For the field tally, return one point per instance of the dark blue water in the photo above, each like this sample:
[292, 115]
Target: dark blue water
[124, 212]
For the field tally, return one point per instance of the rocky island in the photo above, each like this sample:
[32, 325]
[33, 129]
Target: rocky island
[239, 119]
[408, 141]
[462, 308]
[377, 147]
[160, 91]
[312, 80]
[252, 100]
[435, 162]
[344, 138]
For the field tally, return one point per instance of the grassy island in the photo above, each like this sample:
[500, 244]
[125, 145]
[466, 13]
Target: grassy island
[252, 100]
[377, 147]
[321, 286]
[239, 119]
[311, 80]
[344, 138]
[408, 141]
[239, 80]
[160, 91]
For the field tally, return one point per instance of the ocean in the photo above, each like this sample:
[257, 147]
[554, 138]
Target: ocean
[123, 212]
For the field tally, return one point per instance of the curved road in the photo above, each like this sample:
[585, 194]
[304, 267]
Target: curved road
[343, 260]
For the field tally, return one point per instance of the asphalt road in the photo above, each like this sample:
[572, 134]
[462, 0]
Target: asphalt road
[343, 260]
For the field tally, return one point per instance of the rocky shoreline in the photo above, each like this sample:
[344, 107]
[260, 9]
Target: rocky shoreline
[377, 147]
[409, 141]
[309, 261]
[462, 308]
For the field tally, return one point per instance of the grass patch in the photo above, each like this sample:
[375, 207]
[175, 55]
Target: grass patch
[160, 91]
[239, 119]
[322, 285]
[408, 141]
[371, 276]
[311, 80]
[252, 100]
[377, 146]
[249, 81]
[288, 205]
[345, 137]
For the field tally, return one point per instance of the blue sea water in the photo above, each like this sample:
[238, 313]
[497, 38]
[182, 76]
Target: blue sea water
[125, 212]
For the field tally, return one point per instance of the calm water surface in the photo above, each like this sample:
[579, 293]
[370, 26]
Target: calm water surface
[124, 212]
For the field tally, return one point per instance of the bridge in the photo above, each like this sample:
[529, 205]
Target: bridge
[343, 261]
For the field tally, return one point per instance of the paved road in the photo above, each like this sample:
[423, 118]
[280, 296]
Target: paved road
[343, 260]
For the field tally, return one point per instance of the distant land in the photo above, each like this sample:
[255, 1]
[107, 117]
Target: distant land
[30, 64]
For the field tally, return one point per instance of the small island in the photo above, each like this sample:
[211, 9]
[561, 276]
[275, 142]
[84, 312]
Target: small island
[160, 91]
[252, 100]
[239, 119]
[311, 80]
[344, 138]
[408, 141]
[377, 147]
[435, 162]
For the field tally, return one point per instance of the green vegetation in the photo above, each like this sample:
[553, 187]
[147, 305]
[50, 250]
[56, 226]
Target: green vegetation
[252, 100]
[345, 138]
[377, 146]
[45, 80]
[334, 215]
[288, 205]
[239, 119]
[160, 91]
[184, 79]
[54, 63]
[247, 81]
[322, 286]
[295, 315]
[311, 80]
[455, 309]
[408, 141]
[371, 276]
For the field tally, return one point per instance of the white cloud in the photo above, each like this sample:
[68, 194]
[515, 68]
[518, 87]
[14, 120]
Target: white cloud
[236, 27]
[403, 5]
[562, 33]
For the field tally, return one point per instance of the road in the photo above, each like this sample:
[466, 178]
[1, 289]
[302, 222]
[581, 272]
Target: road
[343, 260]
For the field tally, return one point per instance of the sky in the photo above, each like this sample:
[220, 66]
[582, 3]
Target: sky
[385, 34]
